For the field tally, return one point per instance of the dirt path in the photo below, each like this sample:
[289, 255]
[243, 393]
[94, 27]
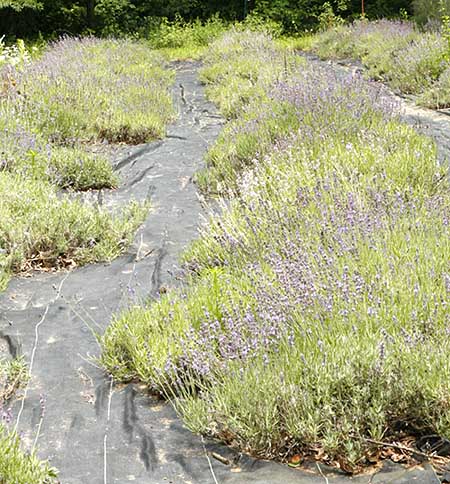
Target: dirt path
[95, 433]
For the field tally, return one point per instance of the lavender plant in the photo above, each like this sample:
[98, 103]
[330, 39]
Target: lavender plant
[409, 60]
[13, 375]
[31, 155]
[41, 229]
[20, 466]
[240, 67]
[374, 42]
[312, 103]
[419, 65]
[86, 89]
[81, 90]
[438, 96]
[315, 314]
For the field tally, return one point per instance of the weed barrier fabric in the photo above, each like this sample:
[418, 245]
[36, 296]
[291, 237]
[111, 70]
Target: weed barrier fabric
[91, 430]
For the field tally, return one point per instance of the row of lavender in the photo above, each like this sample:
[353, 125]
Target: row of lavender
[411, 61]
[79, 92]
[316, 311]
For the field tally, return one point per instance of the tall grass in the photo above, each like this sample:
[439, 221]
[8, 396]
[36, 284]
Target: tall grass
[315, 314]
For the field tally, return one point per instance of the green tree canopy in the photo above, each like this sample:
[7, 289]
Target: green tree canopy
[19, 5]
[25, 18]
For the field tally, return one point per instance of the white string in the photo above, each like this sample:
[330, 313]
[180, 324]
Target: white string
[321, 473]
[33, 353]
[209, 462]
[105, 480]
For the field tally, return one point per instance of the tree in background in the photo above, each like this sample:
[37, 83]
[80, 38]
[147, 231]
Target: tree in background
[380, 8]
[430, 11]
[19, 5]
[27, 18]
[301, 14]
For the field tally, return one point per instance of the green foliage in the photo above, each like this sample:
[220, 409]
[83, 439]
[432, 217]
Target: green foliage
[294, 15]
[20, 467]
[114, 15]
[128, 17]
[445, 20]
[300, 15]
[257, 23]
[327, 18]
[180, 33]
[180, 39]
[374, 43]
[430, 11]
[238, 77]
[19, 5]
